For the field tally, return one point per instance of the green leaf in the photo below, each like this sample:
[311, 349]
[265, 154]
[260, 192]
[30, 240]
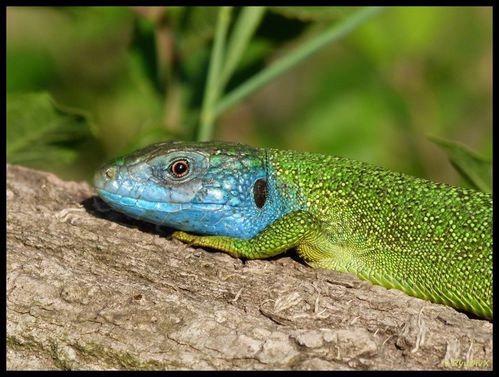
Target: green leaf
[475, 169]
[29, 69]
[40, 132]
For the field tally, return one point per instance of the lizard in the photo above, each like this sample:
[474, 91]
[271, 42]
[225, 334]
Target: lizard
[429, 240]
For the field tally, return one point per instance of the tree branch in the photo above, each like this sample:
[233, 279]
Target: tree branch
[88, 288]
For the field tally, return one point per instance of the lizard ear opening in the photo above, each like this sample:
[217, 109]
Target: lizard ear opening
[260, 192]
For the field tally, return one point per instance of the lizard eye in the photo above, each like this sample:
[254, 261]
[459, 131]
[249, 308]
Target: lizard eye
[179, 168]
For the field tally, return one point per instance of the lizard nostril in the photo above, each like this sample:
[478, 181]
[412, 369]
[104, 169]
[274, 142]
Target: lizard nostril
[110, 172]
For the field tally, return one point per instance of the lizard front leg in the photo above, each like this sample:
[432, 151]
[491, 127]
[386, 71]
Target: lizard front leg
[285, 233]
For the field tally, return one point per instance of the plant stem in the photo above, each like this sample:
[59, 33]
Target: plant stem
[284, 64]
[212, 88]
[247, 22]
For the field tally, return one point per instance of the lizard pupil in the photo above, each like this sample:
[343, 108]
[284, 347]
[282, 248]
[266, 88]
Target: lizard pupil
[260, 192]
[179, 168]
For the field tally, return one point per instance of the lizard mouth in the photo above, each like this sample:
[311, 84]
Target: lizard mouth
[123, 201]
[184, 216]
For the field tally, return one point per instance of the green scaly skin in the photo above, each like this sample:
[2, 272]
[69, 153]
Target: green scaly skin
[430, 240]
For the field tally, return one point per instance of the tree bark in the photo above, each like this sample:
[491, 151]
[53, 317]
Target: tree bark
[88, 288]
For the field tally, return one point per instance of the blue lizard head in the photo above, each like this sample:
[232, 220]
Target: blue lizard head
[206, 188]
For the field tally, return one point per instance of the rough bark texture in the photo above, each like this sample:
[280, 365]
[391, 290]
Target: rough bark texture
[88, 288]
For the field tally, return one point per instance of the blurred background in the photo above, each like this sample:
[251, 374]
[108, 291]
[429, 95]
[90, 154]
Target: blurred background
[87, 84]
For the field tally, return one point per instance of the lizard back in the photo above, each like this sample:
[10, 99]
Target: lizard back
[428, 239]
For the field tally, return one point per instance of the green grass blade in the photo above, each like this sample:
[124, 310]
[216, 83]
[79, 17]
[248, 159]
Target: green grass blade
[281, 66]
[245, 27]
[212, 89]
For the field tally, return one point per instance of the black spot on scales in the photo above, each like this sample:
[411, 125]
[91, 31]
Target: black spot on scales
[260, 192]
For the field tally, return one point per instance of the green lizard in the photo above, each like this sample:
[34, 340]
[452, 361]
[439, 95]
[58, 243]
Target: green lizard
[430, 240]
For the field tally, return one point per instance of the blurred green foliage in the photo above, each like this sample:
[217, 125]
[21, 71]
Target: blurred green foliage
[60, 135]
[85, 84]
